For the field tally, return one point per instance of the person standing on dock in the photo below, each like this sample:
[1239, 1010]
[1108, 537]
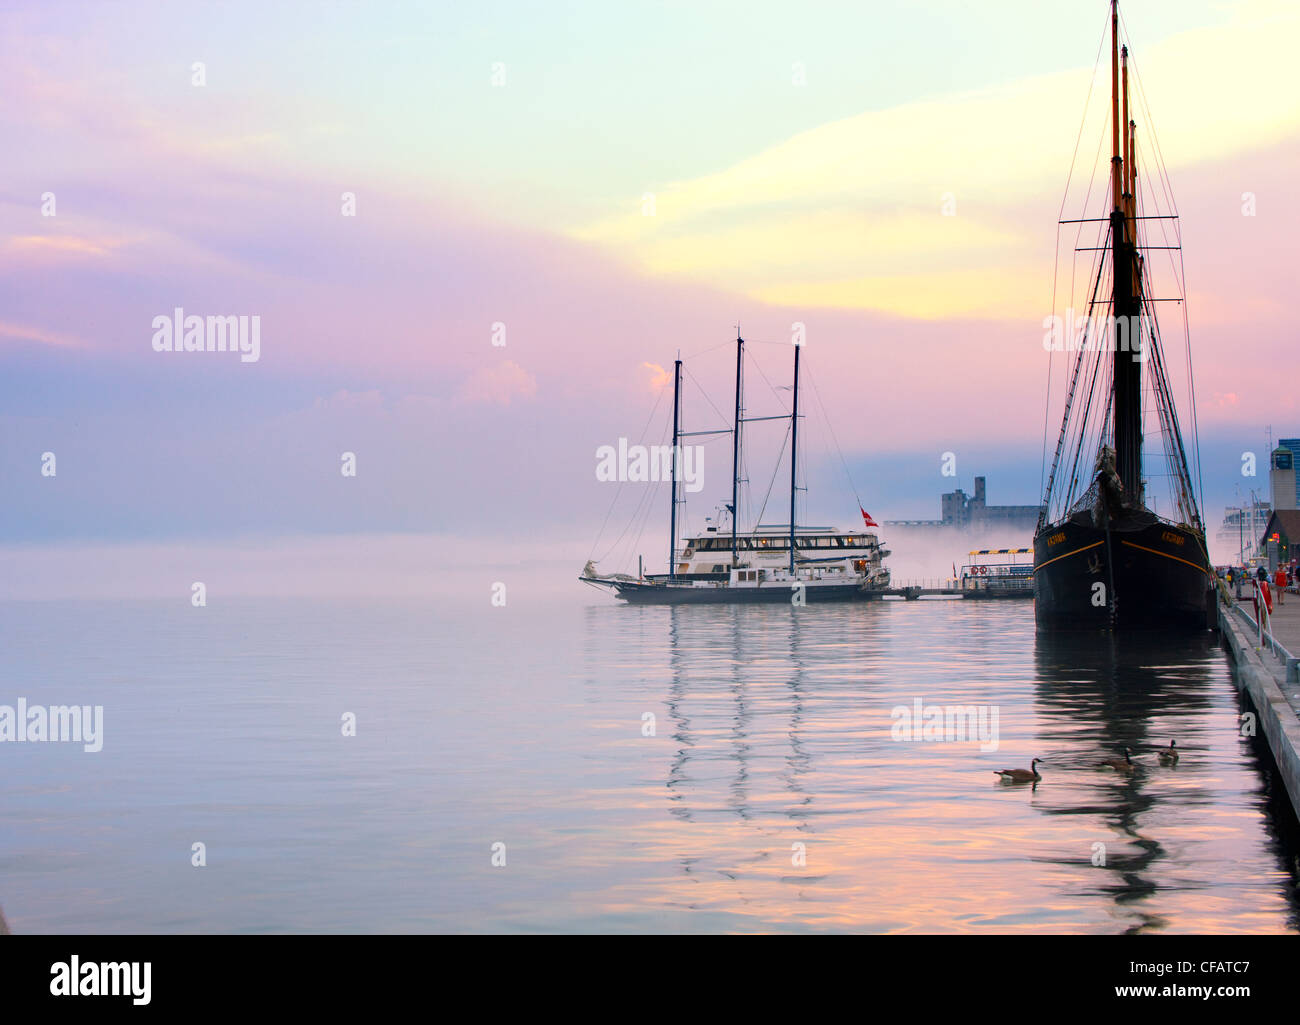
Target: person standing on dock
[1279, 583]
[1262, 592]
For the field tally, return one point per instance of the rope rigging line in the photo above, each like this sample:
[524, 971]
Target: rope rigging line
[834, 440]
[772, 482]
[1065, 196]
[1179, 269]
[596, 543]
[721, 418]
[643, 504]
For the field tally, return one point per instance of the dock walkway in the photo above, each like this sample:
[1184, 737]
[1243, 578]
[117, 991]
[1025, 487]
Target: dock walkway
[1269, 673]
[1286, 622]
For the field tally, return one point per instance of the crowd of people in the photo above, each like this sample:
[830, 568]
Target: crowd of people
[1275, 585]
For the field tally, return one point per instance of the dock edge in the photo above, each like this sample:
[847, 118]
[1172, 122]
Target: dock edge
[1278, 719]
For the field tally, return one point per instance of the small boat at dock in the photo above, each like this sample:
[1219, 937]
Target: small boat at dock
[998, 573]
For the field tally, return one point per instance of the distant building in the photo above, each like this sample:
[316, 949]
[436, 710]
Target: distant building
[1281, 476]
[972, 512]
[1294, 444]
[1242, 528]
[1282, 531]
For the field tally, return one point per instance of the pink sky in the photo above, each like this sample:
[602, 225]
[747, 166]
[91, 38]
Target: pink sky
[377, 329]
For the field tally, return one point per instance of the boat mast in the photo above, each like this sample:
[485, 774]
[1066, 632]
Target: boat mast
[794, 450]
[1128, 145]
[1125, 296]
[672, 521]
[735, 451]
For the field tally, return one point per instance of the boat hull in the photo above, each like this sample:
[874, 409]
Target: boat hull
[1141, 574]
[771, 594]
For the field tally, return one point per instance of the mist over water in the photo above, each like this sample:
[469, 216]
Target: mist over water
[932, 552]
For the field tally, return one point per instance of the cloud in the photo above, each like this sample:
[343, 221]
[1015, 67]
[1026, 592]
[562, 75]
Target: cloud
[344, 400]
[931, 208]
[658, 376]
[24, 333]
[500, 384]
[29, 246]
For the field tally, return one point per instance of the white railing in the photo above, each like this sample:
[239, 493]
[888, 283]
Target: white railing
[981, 583]
[1263, 632]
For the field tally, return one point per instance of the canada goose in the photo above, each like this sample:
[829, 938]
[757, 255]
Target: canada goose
[1124, 764]
[1029, 775]
[1169, 755]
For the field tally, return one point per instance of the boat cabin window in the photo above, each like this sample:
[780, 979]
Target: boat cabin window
[782, 543]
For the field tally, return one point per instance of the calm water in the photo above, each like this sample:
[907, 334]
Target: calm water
[524, 726]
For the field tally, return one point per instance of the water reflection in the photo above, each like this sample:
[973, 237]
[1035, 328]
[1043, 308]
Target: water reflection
[780, 733]
[1097, 695]
[681, 735]
[740, 719]
[799, 760]
[694, 677]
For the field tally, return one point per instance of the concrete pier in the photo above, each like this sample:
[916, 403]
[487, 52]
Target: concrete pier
[1268, 673]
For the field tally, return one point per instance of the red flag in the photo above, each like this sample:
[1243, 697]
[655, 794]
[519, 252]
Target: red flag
[866, 518]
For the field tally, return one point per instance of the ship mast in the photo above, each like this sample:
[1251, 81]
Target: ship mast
[672, 520]
[735, 450]
[794, 450]
[1126, 299]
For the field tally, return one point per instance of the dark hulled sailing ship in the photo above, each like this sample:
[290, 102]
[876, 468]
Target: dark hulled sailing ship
[1103, 558]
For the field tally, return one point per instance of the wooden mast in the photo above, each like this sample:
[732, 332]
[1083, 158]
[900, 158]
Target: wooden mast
[1132, 208]
[1125, 300]
[1130, 173]
[1116, 159]
[1128, 139]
